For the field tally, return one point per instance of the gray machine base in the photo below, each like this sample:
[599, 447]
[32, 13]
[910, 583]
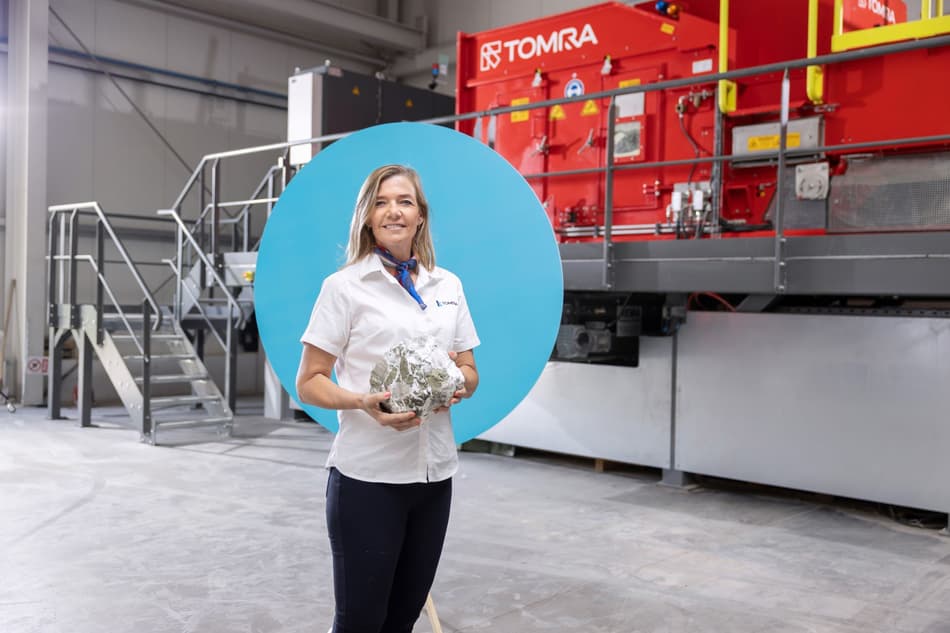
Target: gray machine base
[677, 479]
[852, 406]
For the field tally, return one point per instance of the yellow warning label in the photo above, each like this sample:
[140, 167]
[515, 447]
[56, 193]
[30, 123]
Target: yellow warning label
[771, 141]
[557, 113]
[524, 115]
[590, 108]
[668, 28]
[408, 103]
[356, 90]
[628, 82]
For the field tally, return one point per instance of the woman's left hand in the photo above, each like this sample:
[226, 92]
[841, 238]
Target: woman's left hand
[463, 392]
[456, 398]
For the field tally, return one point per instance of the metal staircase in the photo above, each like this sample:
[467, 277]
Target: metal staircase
[153, 354]
[146, 354]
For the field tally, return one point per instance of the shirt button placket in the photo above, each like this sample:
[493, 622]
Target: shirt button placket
[424, 451]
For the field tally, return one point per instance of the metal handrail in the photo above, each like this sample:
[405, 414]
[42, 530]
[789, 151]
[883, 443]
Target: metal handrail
[247, 203]
[104, 219]
[811, 61]
[764, 155]
[190, 183]
[105, 285]
[183, 230]
[197, 300]
[237, 218]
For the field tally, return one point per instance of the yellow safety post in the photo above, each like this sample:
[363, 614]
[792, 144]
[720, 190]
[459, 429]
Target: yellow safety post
[926, 10]
[814, 75]
[727, 89]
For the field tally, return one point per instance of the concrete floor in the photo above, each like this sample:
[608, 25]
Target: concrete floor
[101, 533]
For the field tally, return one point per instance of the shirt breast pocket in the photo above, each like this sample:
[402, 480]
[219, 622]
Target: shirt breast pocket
[443, 320]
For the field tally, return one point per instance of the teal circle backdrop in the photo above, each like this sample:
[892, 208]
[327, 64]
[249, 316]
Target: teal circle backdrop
[488, 228]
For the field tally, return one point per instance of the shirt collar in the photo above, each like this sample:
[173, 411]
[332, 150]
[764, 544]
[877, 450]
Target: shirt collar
[372, 263]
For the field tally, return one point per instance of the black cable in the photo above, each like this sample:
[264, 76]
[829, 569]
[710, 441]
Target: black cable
[696, 149]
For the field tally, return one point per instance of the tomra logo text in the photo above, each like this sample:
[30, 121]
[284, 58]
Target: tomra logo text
[879, 8]
[493, 53]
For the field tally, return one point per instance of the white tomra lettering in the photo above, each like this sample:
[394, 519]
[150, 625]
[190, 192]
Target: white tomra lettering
[568, 37]
[879, 8]
[525, 48]
[510, 45]
[549, 45]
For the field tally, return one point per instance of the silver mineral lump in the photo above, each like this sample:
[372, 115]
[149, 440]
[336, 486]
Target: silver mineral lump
[420, 375]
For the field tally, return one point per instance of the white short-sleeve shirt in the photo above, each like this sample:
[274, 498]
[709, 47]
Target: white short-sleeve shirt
[361, 312]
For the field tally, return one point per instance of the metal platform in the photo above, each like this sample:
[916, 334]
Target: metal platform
[907, 264]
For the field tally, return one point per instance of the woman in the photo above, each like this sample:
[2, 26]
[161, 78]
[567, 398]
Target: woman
[389, 487]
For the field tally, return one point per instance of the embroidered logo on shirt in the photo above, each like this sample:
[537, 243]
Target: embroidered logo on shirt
[439, 304]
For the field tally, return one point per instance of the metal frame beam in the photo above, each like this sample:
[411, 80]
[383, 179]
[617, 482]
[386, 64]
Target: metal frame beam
[907, 264]
[303, 18]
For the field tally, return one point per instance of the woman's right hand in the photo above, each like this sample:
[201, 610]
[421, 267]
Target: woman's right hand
[370, 403]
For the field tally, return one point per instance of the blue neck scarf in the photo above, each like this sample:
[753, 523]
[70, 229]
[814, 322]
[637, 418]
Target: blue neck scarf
[403, 269]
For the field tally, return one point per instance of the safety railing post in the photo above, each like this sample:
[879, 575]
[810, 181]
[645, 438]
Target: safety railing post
[230, 369]
[51, 277]
[100, 275]
[270, 192]
[246, 229]
[178, 280]
[779, 269]
[715, 176]
[202, 236]
[608, 280]
[73, 247]
[215, 210]
[148, 430]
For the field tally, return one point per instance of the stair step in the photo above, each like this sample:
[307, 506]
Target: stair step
[163, 337]
[174, 401]
[170, 378]
[191, 423]
[162, 357]
[130, 316]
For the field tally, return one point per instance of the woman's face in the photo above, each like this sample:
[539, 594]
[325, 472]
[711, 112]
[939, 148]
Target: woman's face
[395, 217]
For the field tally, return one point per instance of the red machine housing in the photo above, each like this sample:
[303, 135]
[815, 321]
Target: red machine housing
[613, 45]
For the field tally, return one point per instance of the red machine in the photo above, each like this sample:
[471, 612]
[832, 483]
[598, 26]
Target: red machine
[612, 45]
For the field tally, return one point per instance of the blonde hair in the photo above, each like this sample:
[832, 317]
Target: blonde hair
[362, 241]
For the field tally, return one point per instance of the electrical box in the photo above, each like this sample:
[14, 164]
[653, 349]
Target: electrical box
[328, 100]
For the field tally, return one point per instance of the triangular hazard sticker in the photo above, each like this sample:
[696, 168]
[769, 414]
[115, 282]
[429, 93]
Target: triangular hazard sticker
[557, 113]
[590, 108]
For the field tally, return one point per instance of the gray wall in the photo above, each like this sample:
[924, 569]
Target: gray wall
[100, 149]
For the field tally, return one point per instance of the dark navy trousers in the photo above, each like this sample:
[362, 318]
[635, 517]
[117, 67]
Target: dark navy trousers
[386, 541]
